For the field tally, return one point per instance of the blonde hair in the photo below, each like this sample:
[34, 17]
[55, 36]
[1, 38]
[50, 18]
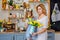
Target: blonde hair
[43, 8]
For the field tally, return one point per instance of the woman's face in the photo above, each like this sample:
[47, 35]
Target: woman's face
[39, 10]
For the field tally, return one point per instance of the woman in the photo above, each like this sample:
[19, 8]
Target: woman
[28, 15]
[42, 18]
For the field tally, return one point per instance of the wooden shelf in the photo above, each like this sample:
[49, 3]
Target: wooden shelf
[38, 1]
[15, 18]
[13, 10]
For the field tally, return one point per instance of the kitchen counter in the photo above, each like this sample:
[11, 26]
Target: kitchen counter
[10, 32]
[57, 32]
[21, 35]
[24, 32]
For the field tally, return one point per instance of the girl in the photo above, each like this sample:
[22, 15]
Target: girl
[28, 15]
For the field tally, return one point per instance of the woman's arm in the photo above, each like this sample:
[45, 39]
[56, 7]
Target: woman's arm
[39, 32]
[44, 27]
[42, 31]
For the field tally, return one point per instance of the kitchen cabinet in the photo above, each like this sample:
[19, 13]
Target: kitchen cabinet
[51, 36]
[21, 36]
[6, 36]
[12, 36]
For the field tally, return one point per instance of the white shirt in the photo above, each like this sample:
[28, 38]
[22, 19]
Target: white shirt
[44, 21]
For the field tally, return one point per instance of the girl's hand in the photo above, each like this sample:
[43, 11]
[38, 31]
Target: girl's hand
[34, 34]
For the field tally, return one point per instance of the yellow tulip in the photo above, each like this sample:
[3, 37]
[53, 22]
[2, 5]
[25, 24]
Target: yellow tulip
[41, 25]
[29, 22]
[38, 26]
[1, 20]
[34, 22]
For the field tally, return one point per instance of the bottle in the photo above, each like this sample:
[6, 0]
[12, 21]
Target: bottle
[36, 0]
[7, 6]
[17, 15]
[10, 4]
[17, 6]
[31, 0]
[4, 4]
[42, 0]
[4, 22]
[24, 4]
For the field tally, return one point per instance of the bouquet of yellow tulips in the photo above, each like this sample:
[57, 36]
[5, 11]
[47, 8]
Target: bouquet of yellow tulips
[35, 23]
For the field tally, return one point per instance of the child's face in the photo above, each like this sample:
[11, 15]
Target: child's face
[29, 14]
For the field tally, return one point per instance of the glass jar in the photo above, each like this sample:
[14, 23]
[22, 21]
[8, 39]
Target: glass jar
[4, 4]
[17, 6]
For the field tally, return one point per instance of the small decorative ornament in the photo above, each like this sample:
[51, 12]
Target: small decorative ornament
[31, 0]
[17, 6]
[36, 0]
[11, 7]
[42, 0]
[14, 15]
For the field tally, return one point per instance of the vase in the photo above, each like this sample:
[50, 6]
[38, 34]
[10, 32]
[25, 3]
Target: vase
[31, 29]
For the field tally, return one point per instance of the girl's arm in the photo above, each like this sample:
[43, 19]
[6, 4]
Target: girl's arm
[26, 25]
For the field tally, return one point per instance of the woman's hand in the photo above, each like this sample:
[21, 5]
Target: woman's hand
[41, 31]
[34, 34]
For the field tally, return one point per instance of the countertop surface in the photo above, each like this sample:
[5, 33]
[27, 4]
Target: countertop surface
[23, 32]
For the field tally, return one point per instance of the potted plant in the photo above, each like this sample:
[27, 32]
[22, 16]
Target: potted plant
[10, 4]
